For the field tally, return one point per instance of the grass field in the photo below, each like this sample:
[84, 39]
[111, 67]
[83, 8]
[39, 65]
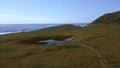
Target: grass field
[20, 50]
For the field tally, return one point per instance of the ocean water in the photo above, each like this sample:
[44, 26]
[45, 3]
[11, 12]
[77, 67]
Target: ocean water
[16, 28]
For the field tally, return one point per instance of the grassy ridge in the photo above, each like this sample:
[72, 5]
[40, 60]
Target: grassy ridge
[109, 18]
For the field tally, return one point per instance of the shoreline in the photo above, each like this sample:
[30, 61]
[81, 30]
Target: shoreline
[12, 32]
[4, 33]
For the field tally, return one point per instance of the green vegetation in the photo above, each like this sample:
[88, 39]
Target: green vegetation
[109, 18]
[94, 46]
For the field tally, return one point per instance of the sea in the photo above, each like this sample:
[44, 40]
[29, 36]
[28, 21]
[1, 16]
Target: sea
[16, 28]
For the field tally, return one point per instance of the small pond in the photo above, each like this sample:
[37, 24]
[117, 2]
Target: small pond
[53, 41]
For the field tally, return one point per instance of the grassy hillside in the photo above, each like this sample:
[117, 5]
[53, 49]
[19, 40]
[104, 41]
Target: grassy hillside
[20, 51]
[109, 18]
[93, 46]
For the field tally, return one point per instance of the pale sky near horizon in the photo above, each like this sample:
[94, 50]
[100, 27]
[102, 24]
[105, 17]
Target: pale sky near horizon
[54, 11]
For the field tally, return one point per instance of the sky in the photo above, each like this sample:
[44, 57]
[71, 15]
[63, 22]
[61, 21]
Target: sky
[54, 11]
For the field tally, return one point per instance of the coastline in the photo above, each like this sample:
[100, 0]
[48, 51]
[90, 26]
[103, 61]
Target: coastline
[33, 29]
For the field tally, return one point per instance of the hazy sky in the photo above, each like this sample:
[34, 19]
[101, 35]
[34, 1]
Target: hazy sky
[54, 11]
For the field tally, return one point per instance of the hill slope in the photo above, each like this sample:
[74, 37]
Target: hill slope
[110, 18]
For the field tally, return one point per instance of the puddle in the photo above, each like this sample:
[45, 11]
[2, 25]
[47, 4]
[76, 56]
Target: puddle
[52, 41]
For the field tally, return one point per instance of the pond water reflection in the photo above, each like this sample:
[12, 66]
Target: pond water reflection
[52, 41]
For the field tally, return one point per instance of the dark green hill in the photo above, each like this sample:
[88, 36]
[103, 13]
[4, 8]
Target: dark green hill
[109, 18]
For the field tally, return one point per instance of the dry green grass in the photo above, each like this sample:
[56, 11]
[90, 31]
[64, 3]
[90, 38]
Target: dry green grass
[109, 18]
[103, 38]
